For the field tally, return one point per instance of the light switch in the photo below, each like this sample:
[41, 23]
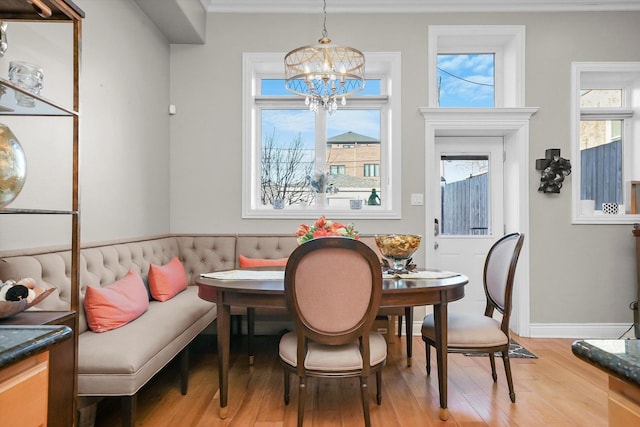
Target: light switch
[417, 199]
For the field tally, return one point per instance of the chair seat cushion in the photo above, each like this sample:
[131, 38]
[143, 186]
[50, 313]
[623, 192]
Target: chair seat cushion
[335, 358]
[468, 331]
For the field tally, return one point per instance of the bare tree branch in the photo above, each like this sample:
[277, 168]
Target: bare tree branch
[284, 171]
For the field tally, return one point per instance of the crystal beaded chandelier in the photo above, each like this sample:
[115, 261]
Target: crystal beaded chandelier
[324, 72]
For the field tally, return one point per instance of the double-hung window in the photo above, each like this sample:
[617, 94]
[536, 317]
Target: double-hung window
[317, 162]
[606, 121]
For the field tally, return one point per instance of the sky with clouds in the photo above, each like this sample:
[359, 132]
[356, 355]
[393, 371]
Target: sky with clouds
[466, 80]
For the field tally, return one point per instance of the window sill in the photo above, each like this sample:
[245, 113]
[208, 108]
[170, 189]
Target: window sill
[607, 219]
[295, 212]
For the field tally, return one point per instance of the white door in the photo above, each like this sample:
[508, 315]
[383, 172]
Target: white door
[468, 213]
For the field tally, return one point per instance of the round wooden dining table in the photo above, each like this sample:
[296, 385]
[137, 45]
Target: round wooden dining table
[259, 288]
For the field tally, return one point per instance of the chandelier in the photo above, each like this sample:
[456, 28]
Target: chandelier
[324, 72]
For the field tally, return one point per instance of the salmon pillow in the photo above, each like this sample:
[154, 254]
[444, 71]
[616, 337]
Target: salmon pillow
[117, 304]
[167, 281]
[261, 262]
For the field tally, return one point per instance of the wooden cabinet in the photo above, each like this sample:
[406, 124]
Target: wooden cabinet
[62, 394]
[24, 392]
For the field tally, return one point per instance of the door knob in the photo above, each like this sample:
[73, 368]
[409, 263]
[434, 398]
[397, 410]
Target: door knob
[435, 245]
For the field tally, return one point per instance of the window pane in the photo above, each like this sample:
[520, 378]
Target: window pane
[353, 141]
[371, 169]
[466, 80]
[372, 87]
[601, 161]
[464, 187]
[288, 152]
[275, 87]
[337, 170]
[601, 98]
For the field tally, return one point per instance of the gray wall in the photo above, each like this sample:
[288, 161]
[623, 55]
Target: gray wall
[579, 274]
[144, 172]
[124, 127]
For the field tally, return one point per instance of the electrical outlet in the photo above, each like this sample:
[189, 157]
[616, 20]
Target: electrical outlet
[417, 199]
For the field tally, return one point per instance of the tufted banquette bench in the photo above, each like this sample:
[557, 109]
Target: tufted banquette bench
[121, 361]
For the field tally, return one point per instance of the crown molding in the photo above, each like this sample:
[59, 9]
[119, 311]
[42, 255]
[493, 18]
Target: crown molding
[417, 6]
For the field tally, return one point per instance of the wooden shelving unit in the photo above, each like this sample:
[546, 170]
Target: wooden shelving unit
[63, 359]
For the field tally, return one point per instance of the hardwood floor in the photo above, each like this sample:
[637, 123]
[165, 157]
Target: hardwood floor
[557, 389]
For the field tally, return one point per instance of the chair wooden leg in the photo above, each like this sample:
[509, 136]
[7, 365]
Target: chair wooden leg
[379, 386]
[507, 371]
[364, 388]
[251, 323]
[184, 370]
[427, 350]
[408, 318]
[399, 326]
[302, 393]
[492, 360]
[287, 387]
[128, 404]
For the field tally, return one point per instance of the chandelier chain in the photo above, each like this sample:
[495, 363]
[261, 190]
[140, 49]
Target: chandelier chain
[325, 34]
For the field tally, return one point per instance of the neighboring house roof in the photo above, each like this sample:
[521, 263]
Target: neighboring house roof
[347, 181]
[352, 138]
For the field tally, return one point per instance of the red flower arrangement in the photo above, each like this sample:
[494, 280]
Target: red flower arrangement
[323, 228]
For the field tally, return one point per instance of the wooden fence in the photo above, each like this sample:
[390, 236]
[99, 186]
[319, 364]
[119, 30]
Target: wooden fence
[465, 206]
[600, 181]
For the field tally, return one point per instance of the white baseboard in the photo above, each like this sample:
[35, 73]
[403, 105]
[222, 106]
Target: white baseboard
[536, 330]
[581, 330]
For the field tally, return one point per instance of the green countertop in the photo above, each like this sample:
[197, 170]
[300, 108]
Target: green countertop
[20, 342]
[620, 358]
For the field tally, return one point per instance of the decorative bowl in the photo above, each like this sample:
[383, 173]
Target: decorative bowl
[398, 248]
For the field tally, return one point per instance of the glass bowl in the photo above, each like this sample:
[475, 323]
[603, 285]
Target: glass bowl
[397, 249]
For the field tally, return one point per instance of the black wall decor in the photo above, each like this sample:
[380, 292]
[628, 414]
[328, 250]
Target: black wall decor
[554, 168]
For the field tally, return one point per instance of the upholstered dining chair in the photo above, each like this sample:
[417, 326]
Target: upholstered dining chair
[476, 333]
[333, 287]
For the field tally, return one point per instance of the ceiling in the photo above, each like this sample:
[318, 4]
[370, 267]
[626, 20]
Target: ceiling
[184, 21]
[405, 6]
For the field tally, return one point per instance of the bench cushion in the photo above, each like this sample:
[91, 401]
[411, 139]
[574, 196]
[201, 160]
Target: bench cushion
[104, 369]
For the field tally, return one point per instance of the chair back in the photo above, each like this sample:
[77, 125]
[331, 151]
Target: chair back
[333, 287]
[499, 271]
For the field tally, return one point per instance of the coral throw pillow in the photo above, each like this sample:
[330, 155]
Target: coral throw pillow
[117, 304]
[167, 281]
[261, 262]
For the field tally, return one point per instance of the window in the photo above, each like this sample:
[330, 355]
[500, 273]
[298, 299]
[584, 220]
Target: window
[476, 66]
[606, 161]
[337, 169]
[464, 195]
[371, 169]
[287, 148]
[466, 80]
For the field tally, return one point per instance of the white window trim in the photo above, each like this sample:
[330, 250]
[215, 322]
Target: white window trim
[506, 41]
[612, 76]
[256, 65]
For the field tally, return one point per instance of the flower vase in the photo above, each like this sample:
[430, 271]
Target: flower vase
[321, 200]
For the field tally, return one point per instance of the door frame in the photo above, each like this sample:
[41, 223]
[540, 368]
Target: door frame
[513, 125]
